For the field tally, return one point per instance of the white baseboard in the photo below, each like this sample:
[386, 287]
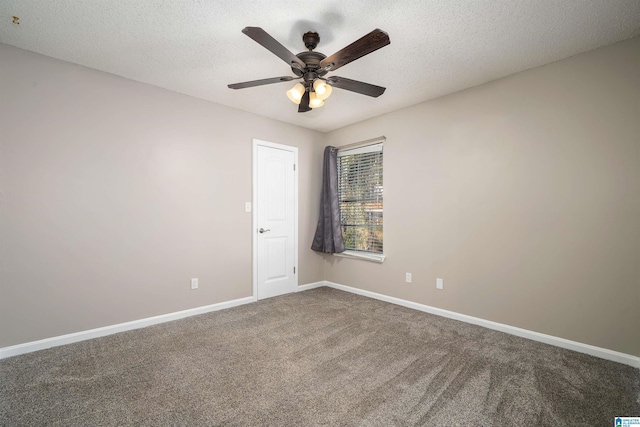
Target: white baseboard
[16, 350]
[311, 286]
[602, 353]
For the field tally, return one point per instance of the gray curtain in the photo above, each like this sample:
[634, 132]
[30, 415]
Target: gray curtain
[328, 236]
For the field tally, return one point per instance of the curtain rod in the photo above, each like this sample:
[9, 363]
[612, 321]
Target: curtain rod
[363, 143]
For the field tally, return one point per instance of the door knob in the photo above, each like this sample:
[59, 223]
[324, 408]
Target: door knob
[262, 230]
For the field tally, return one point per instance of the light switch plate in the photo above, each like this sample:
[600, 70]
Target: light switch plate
[439, 283]
[247, 206]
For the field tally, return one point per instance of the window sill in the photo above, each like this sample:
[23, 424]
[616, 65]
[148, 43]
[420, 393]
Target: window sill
[379, 258]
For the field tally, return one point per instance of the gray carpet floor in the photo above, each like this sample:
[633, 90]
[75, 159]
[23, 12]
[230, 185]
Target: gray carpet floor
[320, 357]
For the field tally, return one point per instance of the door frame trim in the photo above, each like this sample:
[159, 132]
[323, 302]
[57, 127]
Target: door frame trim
[254, 217]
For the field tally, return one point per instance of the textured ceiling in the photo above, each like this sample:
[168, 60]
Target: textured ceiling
[196, 47]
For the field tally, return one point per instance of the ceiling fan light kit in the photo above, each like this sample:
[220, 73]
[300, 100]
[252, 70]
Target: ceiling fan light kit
[295, 93]
[315, 101]
[312, 66]
[322, 89]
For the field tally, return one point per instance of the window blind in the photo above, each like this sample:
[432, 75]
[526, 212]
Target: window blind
[360, 195]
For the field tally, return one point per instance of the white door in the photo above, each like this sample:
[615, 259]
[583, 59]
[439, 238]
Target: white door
[275, 219]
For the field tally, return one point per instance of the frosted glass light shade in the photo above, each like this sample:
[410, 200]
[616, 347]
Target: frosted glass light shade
[323, 90]
[295, 93]
[315, 101]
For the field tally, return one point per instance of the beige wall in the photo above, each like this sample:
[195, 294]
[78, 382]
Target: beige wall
[113, 194]
[524, 195]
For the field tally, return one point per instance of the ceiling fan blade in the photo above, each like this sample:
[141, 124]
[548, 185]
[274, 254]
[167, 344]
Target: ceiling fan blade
[304, 103]
[356, 86]
[263, 38]
[261, 82]
[361, 47]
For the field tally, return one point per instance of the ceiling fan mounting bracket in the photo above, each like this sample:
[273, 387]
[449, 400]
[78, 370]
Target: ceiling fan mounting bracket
[311, 39]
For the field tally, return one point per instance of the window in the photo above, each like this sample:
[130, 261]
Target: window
[360, 198]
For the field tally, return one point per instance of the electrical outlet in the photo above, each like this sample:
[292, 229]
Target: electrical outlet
[439, 283]
[407, 278]
[194, 283]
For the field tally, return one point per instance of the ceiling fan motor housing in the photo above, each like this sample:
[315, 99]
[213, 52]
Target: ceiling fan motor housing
[311, 59]
[312, 63]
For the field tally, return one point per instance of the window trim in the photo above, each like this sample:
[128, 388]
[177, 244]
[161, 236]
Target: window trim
[371, 145]
[371, 148]
[365, 256]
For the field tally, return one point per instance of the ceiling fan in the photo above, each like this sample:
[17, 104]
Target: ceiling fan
[311, 67]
